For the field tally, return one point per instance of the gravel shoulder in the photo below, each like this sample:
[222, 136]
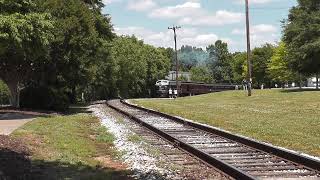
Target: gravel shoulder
[147, 155]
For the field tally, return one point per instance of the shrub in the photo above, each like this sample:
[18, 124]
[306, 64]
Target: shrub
[4, 93]
[45, 98]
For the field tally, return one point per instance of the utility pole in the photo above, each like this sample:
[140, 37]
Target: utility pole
[174, 28]
[249, 66]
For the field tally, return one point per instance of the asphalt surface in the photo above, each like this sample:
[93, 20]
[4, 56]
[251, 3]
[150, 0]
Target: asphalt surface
[12, 121]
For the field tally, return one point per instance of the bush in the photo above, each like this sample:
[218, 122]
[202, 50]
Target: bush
[44, 98]
[4, 93]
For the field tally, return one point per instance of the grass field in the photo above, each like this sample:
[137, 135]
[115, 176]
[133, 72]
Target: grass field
[71, 147]
[289, 119]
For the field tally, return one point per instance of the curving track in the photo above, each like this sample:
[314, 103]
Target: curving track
[238, 157]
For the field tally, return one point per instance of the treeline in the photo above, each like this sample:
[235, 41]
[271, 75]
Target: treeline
[56, 52]
[294, 59]
[217, 65]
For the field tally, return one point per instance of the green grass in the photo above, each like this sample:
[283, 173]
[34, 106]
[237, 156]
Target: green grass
[288, 119]
[68, 147]
[135, 138]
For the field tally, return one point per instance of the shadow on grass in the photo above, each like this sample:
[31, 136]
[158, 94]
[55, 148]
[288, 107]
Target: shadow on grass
[75, 109]
[15, 165]
[299, 90]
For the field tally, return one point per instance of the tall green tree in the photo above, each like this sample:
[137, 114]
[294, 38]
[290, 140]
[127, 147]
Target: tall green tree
[25, 35]
[139, 66]
[80, 32]
[219, 61]
[237, 64]
[278, 67]
[301, 35]
[261, 56]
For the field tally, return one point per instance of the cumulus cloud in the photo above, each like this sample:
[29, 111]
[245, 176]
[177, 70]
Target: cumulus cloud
[260, 34]
[254, 1]
[186, 36]
[191, 13]
[141, 5]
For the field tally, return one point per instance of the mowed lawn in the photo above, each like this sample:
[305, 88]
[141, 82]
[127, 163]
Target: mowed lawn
[285, 118]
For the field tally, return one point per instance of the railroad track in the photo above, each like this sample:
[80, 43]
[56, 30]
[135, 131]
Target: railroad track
[237, 156]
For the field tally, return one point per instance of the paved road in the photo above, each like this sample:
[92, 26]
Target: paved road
[12, 121]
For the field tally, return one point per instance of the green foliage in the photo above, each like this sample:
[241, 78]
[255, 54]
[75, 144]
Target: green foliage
[260, 59]
[200, 74]
[139, 66]
[278, 67]
[238, 64]
[44, 98]
[219, 61]
[24, 38]
[4, 93]
[301, 35]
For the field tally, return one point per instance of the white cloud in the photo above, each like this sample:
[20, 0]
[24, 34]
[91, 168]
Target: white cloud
[177, 11]
[253, 1]
[221, 17]
[191, 13]
[260, 34]
[106, 2]
[257, 29]
[185, 36]
[141, 5]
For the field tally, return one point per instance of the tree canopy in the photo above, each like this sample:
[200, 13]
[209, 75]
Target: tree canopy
[301, 36]
[25, 35]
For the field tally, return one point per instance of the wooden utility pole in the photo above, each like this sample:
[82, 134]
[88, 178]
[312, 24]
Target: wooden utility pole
[174, 28]
[249, 66]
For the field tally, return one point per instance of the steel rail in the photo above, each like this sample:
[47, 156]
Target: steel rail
[226, 168]
[282, 153]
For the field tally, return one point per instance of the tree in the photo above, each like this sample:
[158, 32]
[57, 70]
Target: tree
[191, 56]
[278, 67]
[4, 93]
[238, 64]
[139, 66]
[80, 33]
[25, 35]
[201, 74]
[301, 35]
[260, 58]
[219, 61]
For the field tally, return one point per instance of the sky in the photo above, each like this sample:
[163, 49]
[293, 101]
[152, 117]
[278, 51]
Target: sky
[202, 21]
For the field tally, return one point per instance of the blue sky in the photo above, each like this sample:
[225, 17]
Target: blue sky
[202, 21]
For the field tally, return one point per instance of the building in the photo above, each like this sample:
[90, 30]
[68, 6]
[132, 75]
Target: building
[184, 75]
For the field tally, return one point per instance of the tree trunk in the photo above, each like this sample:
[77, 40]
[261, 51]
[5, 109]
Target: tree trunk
[317, 79]
[300, 83]
[73, 95]
[15, 93]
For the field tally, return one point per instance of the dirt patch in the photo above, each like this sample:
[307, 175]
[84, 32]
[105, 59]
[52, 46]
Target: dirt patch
[107, 161]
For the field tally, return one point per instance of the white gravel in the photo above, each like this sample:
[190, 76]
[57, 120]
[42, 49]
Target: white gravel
[138, 160]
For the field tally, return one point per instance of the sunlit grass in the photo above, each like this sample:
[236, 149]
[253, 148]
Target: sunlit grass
[288, 119]
[73, 143]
